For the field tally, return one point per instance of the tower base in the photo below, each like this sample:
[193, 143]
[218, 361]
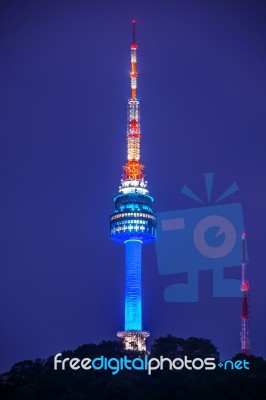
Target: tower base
[134, 340]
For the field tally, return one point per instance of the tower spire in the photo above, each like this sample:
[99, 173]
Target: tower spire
[133, 73]
[133, 169]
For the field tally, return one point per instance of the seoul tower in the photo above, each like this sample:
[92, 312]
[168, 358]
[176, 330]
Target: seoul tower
[133, 222]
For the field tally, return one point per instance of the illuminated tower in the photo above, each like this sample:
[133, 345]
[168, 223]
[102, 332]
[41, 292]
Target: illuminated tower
[133, 222]
[244, 334]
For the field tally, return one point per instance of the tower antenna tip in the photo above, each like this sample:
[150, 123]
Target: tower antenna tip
[134, 31]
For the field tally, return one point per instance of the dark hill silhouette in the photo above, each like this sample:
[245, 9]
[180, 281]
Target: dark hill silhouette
[37, 380]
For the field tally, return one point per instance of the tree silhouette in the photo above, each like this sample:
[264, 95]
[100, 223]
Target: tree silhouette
[174, 347]
[37, 380]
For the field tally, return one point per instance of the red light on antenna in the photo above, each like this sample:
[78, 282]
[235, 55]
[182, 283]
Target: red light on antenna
[133, 21]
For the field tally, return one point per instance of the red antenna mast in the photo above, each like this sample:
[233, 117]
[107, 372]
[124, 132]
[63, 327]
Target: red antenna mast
[244, 334]
[133, 170]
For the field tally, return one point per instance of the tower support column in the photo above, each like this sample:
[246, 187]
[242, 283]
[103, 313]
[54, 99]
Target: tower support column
[133, 336]
[133, 309]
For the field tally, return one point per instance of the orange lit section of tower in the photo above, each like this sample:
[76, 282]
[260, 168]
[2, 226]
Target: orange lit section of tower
[133, 169]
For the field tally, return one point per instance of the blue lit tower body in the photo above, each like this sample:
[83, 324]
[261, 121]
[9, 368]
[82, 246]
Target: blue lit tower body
[133, 222]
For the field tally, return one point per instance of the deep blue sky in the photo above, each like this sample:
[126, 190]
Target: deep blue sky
[64, 87]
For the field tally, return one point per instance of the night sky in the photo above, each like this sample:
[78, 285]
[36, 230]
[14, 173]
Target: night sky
[64, 86]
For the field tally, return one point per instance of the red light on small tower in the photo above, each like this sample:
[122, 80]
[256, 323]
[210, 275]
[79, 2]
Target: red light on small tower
[244, 334]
